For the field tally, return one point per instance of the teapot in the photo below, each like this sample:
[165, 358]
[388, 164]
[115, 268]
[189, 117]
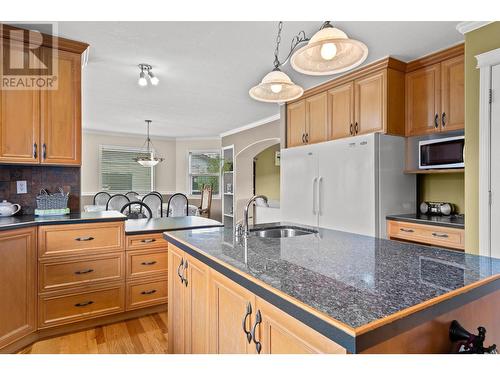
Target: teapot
[8, 209]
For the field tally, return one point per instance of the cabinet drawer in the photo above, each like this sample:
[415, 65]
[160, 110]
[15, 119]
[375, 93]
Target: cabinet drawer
[71, 272]
[57, 240]
[146, 241]
[427, 234]
[144, 263]
[56, 309]
[146, 293]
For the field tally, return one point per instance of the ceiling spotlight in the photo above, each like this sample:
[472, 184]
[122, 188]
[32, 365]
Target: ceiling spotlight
[147, 69]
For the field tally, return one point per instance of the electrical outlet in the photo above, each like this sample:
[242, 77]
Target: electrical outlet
[22, 187]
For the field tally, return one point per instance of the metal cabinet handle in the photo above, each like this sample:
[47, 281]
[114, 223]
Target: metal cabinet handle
[351, 131]
[84, 272]
[303, 138]
[307, 137]
[320, 179]
[185, 269]
[436, 121]
[440, 235]
[44, 151]
[356, 128]
[179, 270]
[443, 119]
[145, 292]
[149, 263]
[406, 230]
[315, 179]
[84, 238]
[247, 315]
[148, 240]
[35, 149]
[83, 304]
[258, 320]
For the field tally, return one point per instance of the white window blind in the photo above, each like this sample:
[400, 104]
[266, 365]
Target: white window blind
[120, 173]
[204, 169]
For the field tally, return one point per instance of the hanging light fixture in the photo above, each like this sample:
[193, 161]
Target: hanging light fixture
[276, 86]
[146, 71]
[329, 51]
[149, 159]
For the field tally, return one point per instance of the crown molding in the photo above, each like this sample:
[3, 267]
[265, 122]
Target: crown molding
[214, 138]
[122, 134]
[252, 125]
[468, 26]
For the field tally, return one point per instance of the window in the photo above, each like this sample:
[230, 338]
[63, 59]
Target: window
[204, 169]
[120, 173]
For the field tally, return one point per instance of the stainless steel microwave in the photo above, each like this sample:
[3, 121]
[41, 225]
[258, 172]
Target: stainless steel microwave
[441, 153]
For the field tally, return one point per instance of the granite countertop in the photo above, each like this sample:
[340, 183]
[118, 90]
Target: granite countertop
[158, 225]
[351, 278]
[452, 221]
[14, 222]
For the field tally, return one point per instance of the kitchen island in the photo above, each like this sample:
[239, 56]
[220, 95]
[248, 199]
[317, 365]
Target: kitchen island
[365, 295]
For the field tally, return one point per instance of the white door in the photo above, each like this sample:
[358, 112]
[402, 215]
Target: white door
[347, 185]
[495, 163]
[299, 172]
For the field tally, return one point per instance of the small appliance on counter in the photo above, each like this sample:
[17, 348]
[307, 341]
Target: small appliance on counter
[441, 153]
[52, 204]
[437, 208]
[9, 209]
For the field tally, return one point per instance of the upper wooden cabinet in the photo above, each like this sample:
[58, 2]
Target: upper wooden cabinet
[38, 125]
[435, 95]
[368, 100]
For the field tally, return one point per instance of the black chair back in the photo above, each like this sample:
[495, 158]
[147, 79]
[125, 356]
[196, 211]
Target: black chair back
[131, 195]
[157, 193]
[155, 203]
[138, 213]
[101, 198]
[116, 202]
[178, 203]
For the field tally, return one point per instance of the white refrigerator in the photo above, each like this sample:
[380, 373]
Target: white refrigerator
[348, 184]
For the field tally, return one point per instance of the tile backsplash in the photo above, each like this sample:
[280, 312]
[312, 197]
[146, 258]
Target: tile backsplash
[37, 178]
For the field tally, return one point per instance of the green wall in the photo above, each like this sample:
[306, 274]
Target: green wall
[443, 188]
[476, 42]
[267, 175]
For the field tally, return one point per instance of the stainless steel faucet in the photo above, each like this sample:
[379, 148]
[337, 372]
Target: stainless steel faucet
[245, 216]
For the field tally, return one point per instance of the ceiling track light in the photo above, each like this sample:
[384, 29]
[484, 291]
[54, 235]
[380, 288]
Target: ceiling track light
[146, 72]
[329, 51]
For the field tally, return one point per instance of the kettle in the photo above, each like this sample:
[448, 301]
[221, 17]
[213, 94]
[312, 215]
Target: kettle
[8, 209]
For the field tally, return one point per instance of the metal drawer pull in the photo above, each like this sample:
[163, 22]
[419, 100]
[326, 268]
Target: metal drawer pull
[152, 291]
[443, 119]
[258, 320]
[440, 235]
[84, 272]
[436, 121]
[247, 314]
[84, 238]
[35, 150]
[148, 240]
[179, 270]
[83, 304]
[406, 230]
[149, 263]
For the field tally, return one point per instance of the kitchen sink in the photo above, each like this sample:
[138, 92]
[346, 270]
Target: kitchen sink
[281, 232]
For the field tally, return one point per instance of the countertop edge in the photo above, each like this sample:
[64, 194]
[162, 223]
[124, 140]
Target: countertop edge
[151, 231]
[424, 222]
[62, 221]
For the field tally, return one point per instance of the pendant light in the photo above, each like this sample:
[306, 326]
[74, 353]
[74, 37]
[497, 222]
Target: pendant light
[149, 159]
[276, 86]
[329, 51]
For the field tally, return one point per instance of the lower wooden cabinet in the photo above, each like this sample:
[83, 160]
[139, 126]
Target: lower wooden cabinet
[17, 284]
[143, 293]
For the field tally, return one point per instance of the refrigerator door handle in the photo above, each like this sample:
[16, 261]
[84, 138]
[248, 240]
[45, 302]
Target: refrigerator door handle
[320, 179]
[314, 181]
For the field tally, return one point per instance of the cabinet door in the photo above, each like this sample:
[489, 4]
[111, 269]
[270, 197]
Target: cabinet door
[279, 333]
[296, 123]
[19, 118]
[196, 329]
[341, 110]
[60, 114]
[316, 118]
[452, 94]
[228, 309]
[17, 284]
[176, 301]
[423, 100]
[370, 106]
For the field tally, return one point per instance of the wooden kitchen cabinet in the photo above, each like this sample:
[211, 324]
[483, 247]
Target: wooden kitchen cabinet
[176, 306]
[60, 114]
[435, 95]
[17, 284]
[370, 103]
[341, 110]
[296, 123]
[316, 119]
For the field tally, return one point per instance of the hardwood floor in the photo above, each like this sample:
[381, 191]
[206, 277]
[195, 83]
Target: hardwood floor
[145, 335]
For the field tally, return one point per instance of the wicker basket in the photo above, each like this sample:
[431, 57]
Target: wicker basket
[56, 201]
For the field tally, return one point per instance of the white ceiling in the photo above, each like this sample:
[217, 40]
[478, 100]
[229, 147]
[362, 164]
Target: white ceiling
[206, 68]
